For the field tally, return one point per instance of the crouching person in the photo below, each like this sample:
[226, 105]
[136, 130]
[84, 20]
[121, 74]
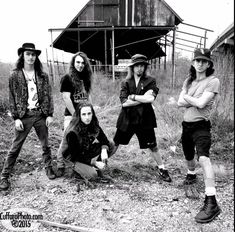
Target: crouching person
[85, 146]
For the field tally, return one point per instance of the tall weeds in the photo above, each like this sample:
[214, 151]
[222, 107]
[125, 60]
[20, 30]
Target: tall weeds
[105, 96]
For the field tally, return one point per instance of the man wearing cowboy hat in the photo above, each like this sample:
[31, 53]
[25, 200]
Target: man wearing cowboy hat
[31, 105]
[138, 92]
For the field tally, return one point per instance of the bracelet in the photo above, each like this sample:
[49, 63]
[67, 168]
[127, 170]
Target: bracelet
[133, 97]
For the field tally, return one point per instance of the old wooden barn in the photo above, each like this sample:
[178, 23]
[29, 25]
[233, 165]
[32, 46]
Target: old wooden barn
[108, 30]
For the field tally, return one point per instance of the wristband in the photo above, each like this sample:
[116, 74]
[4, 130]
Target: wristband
[133, 97]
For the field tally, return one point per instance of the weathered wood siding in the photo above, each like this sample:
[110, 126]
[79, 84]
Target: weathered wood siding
[128, 13]
[152, 13]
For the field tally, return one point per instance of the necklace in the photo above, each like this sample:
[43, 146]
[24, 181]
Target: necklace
[29, 75]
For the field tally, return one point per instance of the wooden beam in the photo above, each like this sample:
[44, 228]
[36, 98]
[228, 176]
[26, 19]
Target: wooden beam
[191, 34]
[190, 41]
[70, 227]
[139, 41]
[173, 60]
[110, 28]
[113, 55]
[52, 54]
[197, 27]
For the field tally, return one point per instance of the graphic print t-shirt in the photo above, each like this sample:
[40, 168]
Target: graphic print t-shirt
[77, 93]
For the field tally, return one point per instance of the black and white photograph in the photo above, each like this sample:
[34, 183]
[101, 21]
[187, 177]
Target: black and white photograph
[117, 116]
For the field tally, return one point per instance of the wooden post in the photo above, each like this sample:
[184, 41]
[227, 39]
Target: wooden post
[105, 51]
[78, 38]
[48, 66]
[173, 59]
[205, 39]
[113, 54]
[165, 53]
[52, 53]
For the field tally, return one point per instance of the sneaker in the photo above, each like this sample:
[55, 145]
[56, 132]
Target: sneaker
[50, 173]
[163, 173]
[60, 172]
[190, 179]
[209, 211]
[4, 184]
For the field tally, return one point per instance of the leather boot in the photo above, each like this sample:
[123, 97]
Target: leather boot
[50, 173]
[209, 211]
[4, 184]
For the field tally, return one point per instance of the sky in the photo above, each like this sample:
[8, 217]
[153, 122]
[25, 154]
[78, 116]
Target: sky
[29, 20]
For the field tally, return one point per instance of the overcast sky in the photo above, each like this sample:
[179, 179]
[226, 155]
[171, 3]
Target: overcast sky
[29, 20]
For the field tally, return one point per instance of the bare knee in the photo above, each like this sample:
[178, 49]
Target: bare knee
[154, 149]
[204, 161]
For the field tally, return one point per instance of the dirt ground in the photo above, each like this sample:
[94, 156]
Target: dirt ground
[136, 201]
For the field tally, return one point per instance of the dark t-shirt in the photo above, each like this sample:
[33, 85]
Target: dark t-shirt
[78, 93]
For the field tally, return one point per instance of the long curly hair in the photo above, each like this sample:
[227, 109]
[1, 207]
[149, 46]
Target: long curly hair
[192, 74]
[78, 126]
[86, 75]
[37, 64]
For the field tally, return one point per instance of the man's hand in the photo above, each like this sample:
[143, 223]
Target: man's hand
[49, 120]
[19, 125]
[104, 156]
[100, 165]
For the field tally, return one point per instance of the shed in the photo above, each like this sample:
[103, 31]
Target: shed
[108, 30]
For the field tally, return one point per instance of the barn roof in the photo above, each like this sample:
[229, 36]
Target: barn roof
[226, 37]
[137, 26]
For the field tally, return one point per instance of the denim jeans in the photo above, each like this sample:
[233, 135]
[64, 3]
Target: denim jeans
[59, 155]
[31, 119]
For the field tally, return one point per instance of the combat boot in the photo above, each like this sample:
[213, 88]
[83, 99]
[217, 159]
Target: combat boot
[50, 173]
[4, 184]
[209, 211]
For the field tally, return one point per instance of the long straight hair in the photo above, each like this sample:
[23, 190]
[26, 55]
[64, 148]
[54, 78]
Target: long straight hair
[130, 73]
[37, 64]
[78, 126]
[86, 75]
[192, 74]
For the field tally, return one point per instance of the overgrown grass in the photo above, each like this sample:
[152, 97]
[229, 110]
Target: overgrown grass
[105, 97]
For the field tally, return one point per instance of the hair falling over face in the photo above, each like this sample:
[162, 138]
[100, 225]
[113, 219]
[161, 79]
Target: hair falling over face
[86, 75]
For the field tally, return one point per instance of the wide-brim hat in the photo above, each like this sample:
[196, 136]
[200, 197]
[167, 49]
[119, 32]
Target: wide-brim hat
[202, 53]
[28, 47]
[138, 59]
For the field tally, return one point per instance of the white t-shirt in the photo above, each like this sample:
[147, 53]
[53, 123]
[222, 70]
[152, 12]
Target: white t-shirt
[32, 90]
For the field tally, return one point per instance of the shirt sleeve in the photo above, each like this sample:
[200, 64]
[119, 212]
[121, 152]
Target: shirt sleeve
[65, 84]
[153, 86]
[213, 86]
[102, 138]
[124, 92]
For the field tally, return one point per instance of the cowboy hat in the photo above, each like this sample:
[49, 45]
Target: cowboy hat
[28, 47]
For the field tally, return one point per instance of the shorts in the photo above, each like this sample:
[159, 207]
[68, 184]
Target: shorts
[146, 137]
[196, 138]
